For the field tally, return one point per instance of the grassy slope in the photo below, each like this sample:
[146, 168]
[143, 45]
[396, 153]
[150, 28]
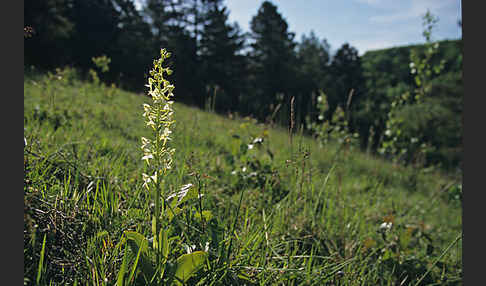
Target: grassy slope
[83, 177]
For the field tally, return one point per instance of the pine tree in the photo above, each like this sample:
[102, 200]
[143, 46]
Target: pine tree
[272, 60]
[222, 62]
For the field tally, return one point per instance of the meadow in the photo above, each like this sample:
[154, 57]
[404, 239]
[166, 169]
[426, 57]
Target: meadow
[267, 205]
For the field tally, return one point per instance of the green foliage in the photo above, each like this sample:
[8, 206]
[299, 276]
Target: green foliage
[155, 258]
[102, 63]
[334, 130]
[304, 218]
[410, 136]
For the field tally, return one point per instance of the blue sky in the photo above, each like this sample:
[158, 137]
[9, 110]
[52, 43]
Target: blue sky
[364, 24]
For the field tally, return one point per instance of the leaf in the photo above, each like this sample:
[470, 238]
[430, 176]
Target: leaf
[188, 264]
[123, 268]
[134, 267]
[165, 243]
[138, 243]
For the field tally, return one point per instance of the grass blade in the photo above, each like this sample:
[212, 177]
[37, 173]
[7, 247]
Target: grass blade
[41, 261]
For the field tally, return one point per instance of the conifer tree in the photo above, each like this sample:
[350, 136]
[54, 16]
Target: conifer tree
[272, 60]
[222, 62]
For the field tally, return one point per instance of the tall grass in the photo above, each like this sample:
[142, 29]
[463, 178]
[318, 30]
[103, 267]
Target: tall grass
[265, 211]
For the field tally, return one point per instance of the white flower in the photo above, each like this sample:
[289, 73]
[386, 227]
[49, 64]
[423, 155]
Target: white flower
[257, 140]
[250, 146]
[147, 179]
[189, 249]
[386, 226]
[147, 157]
[243, 169]
[319, 98]
[412, 65]
[320, 117]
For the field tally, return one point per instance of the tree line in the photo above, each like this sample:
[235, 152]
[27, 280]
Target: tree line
[256, 73]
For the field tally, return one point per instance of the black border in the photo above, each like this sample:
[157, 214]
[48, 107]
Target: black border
[12, 23]
[473, 139]
[473, 143]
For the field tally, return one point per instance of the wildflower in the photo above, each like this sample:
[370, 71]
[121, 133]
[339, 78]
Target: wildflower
[386, 226]
[250, 146]
[158, 116]
[147, 179]
[257, 140]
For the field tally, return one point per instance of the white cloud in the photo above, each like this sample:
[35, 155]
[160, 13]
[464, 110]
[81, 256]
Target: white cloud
[412, 9]
[372, 44]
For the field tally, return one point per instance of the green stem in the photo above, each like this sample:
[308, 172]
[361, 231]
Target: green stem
[157, 215]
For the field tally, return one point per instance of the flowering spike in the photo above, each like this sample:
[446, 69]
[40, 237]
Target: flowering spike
[158, 115]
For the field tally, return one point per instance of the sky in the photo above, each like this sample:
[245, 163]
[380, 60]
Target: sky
[364, 24]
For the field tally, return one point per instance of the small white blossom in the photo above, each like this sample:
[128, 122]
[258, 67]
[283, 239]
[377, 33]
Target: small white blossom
[257, 140]
[386, 226]
[147, 157]
[250, 146]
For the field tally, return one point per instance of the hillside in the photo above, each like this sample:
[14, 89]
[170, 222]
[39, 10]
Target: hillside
[280, 208]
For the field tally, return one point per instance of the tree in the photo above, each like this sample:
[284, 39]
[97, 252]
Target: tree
[169, 20]
[347, 87]
[50, 19]
[272, 60]
[313, 62]
[130, 58]
[222, 62]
